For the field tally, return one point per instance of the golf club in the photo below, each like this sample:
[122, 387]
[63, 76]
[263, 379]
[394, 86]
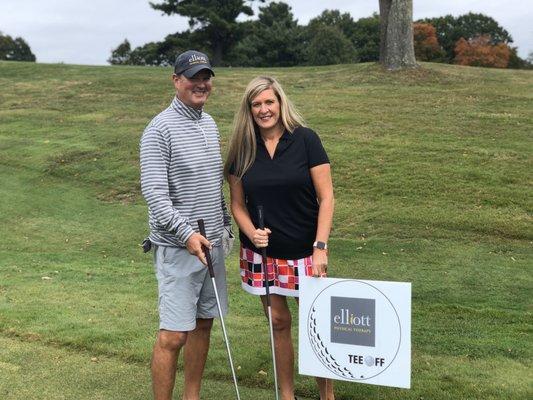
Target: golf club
[269, 307]
[201, 227]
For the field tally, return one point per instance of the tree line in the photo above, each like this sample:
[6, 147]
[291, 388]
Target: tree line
[276, 39]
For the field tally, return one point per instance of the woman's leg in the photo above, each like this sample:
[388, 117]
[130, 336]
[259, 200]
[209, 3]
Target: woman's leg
[325, 387]
[281, 322]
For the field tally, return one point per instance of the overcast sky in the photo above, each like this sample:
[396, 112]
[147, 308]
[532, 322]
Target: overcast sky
[85, 31]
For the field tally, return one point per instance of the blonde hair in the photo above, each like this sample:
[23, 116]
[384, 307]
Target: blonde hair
[243, 144]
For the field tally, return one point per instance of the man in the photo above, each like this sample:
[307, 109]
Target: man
[181, 180]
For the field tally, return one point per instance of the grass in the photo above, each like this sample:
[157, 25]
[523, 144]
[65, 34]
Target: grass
[432, 174]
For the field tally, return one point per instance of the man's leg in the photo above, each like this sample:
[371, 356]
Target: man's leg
[195, 352]
[164, 358]
[195, 355]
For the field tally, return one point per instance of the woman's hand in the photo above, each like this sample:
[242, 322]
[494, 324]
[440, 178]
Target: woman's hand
[260, 237]
[320, 263]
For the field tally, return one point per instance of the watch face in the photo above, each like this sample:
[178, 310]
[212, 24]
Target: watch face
[320, 245]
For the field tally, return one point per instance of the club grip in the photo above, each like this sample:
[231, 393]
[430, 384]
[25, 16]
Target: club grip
[201, 227]
[261, 221]
[261, 217]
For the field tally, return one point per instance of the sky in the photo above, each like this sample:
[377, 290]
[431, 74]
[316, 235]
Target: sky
[85, 32]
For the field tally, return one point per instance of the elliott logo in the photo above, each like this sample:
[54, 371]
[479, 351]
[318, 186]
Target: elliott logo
[347, 318]
[194, 59]
[353, 321]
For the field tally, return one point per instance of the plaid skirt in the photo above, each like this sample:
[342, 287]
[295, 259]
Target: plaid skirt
[282, 274]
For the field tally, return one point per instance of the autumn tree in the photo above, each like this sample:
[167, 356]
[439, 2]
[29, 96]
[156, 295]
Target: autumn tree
[480, 52]
[468, 26]
[396, 34]
[215, 19]
[427, 46]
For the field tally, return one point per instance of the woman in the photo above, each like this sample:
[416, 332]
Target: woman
[276, 162]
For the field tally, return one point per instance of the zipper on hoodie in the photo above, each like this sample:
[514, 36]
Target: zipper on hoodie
[203, 132]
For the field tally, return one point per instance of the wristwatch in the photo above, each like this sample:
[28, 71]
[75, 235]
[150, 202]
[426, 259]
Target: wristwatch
[320, 245]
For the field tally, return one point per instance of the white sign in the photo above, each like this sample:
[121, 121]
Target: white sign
[357, 331]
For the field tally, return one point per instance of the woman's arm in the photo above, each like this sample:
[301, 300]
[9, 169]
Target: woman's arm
[321, 177]
[259, 237]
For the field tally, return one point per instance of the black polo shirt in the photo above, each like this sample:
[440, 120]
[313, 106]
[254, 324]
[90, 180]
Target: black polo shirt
[283, 186]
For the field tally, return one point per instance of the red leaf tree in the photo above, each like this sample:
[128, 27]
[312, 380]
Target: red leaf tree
[427, 46]
[480, 52]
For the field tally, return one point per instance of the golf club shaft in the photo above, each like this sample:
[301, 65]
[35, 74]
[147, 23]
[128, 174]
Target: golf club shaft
[273, 350]
[226, 339]
[269, 307]
[201, 227]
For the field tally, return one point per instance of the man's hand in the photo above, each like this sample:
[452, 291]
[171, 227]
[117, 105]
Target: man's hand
[194, 246]
[320, 263]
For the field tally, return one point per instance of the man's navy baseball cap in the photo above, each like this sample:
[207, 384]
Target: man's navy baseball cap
[191, 62]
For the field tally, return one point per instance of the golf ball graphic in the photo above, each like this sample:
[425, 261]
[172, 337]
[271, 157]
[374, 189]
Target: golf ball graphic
[369, 361]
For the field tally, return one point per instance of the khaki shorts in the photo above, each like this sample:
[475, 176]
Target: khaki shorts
[185, 287]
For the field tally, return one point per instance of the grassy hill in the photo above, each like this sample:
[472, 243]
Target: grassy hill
[432, 175]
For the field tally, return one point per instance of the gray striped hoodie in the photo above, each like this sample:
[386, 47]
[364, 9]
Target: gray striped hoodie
[181, 175]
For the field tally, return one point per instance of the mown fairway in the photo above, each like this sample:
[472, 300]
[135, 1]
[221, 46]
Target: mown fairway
[432, 173]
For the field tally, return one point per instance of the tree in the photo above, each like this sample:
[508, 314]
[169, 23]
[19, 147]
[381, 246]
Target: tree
[335, 49]
[366, 37]
[481, 52]
[121, 55]
[15, 49]
[330, 46]
[274, 39]
[343, 22]
[469, 26]
[516, 62]
[158, 53]
[363, 33]
[427, 46]
[215, 19]
[396, 36]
